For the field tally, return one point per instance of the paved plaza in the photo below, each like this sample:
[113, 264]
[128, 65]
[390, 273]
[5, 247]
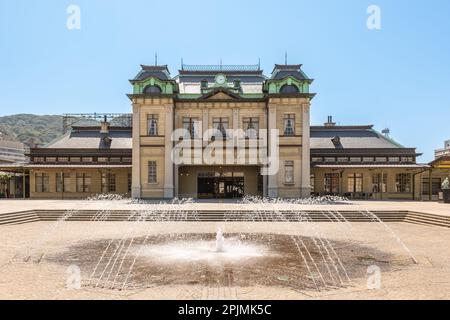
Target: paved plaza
[37, 258]
[399, 278]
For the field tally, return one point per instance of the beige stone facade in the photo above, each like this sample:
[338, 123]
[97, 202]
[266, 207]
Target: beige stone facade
[157, 149]
[93, 184]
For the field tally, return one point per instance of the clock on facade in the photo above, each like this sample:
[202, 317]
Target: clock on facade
[221, 79]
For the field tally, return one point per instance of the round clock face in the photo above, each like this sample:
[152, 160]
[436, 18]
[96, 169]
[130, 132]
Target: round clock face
[221, 79]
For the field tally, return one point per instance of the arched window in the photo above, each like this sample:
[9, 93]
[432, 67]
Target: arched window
[289, 88]
[152, 89]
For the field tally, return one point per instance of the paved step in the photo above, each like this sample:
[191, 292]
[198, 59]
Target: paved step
[227, 216]
[15, 214]
[20, 219]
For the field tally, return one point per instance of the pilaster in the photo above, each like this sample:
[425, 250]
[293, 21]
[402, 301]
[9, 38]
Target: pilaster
[136, 151]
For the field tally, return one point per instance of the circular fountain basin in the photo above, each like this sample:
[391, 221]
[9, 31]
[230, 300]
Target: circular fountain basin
[202, 251]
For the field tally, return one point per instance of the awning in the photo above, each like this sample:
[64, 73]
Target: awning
[372, 166]
[77, 166]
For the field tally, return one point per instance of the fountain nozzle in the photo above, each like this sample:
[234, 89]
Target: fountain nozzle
[220, 241]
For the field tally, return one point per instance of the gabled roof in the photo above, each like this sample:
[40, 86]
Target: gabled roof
[443, 161]
[91, 138]
[350, 137]
[221, 94]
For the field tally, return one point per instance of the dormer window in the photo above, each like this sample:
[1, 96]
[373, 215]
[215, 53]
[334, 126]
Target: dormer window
[152, 89]
[237, 84]
[336, 141]
[289, 88]
[204, 84]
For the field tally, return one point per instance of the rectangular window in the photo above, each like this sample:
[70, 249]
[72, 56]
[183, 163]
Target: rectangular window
[152, 124]
[408, 159]
[312, 182]
[42, 181]
[114, 160]
[83, 182]
[59, 182]
[342, 159]
[75, 159]
[38, 159]
[108, 182]
[435, 186]
[192, 128]
[63, 182]
[317, 159]
[380, 159]
[126, 160]
[355, 182]
[102, 159]
[403, 182]
[367, 159]
[355, 159]
[394, 159]
[289, 172]
[289, 124]
[331, 182]
[220, 125]
[67, 182]
[379, 185]
[152, 178]
[251, 127]
[330, 159]
[63, 159]
[87, 159]
[50, 159]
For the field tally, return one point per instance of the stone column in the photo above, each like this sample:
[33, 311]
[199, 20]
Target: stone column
[136, 150]
[305, 188]
[272, 187]
[235, 119]
[168, 163]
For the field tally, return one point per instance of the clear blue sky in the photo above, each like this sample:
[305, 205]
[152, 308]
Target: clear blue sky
[397, 77]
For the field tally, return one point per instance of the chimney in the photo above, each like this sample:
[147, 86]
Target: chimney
[330, 122]
[104, 127]
[104, 131]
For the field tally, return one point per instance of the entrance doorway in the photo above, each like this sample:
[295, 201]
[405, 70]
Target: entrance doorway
[220, 185]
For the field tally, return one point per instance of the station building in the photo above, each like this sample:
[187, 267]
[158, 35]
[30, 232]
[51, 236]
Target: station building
[137, 159]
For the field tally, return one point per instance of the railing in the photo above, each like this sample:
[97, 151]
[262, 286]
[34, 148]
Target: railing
[252, 67]
[93, 119]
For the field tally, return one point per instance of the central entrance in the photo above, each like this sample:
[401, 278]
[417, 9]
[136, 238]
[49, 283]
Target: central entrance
[220, 185]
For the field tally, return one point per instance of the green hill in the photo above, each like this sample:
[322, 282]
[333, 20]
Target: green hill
[35, 130]
[31, 129]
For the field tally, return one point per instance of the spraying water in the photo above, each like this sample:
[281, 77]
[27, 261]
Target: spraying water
[220, 241]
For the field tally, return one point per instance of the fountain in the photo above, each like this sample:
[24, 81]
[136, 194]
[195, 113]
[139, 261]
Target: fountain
[220, 240]
[277, 242]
